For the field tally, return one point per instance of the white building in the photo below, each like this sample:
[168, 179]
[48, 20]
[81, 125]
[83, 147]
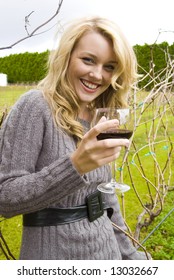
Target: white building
[3, 80]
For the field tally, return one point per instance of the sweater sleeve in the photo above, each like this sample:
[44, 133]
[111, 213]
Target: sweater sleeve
[127, 249]
[22, 188]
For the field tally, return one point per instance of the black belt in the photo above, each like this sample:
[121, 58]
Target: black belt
[93, 209]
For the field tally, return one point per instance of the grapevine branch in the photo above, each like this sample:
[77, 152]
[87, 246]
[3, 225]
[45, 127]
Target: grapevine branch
[34, 32]
[158, 106]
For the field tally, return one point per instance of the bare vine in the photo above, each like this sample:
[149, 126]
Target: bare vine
[153, 113]
[34, 32]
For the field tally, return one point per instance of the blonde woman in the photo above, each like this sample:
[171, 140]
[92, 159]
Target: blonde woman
[51, 162]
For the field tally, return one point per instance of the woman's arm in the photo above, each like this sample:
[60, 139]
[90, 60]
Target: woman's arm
[22, 188]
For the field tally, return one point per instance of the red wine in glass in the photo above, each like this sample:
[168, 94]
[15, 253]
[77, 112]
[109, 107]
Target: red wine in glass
[115, 134]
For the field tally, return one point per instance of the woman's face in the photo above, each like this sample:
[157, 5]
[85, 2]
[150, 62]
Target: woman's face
[91, 66]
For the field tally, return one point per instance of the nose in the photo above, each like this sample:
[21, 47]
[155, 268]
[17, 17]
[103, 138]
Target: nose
[96, 73]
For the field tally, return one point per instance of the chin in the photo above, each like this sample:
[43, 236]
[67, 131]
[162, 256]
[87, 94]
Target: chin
[87, 97]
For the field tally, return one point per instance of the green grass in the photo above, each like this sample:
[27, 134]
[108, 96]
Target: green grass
[12, 233]
[161, 242]
[10, 94]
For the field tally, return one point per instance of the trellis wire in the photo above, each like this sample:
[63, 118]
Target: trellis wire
[158, 225]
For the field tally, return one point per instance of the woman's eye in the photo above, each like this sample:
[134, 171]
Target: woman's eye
[109, 68]
[88, 60]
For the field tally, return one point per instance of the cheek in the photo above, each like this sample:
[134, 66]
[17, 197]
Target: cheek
[109, 78]
[76, 69]
[80, 70]
[71, 73]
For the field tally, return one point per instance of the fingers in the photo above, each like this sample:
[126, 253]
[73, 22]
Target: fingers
[101, 127]
[103, 119]
[90, 136]
[111, 143]
[112, 153]
[107, 160]
[92, 153]
[108, 156]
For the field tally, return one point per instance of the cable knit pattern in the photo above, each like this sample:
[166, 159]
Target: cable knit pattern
[36, 172]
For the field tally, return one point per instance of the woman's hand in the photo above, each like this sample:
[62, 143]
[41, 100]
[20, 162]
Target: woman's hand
[92, 153]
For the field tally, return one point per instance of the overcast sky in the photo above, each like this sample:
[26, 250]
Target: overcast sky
[140, 20]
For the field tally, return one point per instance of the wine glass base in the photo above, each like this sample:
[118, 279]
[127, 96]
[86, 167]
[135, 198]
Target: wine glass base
[106, 188]
[121, 188]
[113, 187]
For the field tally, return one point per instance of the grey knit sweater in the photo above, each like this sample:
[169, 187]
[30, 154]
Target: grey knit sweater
[36, 172]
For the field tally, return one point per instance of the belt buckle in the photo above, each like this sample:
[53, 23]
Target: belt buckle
[94, 205]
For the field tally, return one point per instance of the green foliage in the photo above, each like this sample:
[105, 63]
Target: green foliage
[153, 59]
[24, 68]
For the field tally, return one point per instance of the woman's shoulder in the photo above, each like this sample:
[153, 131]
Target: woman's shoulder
[32, 97]
[31, 106]
[32, 101]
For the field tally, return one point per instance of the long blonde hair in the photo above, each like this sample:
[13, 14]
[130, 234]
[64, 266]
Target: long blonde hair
[57, 89]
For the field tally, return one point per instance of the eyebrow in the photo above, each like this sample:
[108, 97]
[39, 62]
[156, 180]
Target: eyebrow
[94, 56]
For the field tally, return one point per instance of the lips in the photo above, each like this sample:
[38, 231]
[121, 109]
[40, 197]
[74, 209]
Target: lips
[89, 85]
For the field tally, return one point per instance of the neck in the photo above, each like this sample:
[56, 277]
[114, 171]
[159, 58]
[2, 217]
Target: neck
[85, 114]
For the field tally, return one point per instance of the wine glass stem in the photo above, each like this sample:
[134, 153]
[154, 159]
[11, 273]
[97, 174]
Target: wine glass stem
[113, 170]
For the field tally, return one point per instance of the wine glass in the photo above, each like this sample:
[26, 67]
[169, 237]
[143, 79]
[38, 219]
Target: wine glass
[124, 130]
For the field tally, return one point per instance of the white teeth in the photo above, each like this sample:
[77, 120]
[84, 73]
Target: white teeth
[89, 85]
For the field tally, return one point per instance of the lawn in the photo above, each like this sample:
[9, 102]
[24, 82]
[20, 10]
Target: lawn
[147, 167]
[10, 94]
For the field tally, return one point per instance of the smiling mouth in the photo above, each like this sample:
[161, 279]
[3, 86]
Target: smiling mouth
[90, 85]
